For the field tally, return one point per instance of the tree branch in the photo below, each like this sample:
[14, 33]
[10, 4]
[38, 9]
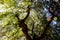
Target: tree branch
[23, 25]
[47, 25]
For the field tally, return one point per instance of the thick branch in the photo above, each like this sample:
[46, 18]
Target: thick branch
[45, 30]
[25, 31]
[47, 25]
[28, 12]
[23, 25]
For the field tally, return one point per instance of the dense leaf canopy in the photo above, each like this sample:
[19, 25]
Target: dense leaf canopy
[22, 19]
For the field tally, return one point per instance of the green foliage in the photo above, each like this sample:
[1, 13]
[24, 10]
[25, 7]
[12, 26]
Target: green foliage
[9, 23]
[9, 28]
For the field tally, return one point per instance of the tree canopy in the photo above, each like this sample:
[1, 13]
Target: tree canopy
[29, 19]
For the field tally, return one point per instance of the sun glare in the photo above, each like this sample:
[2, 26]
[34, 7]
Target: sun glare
[1, 8]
